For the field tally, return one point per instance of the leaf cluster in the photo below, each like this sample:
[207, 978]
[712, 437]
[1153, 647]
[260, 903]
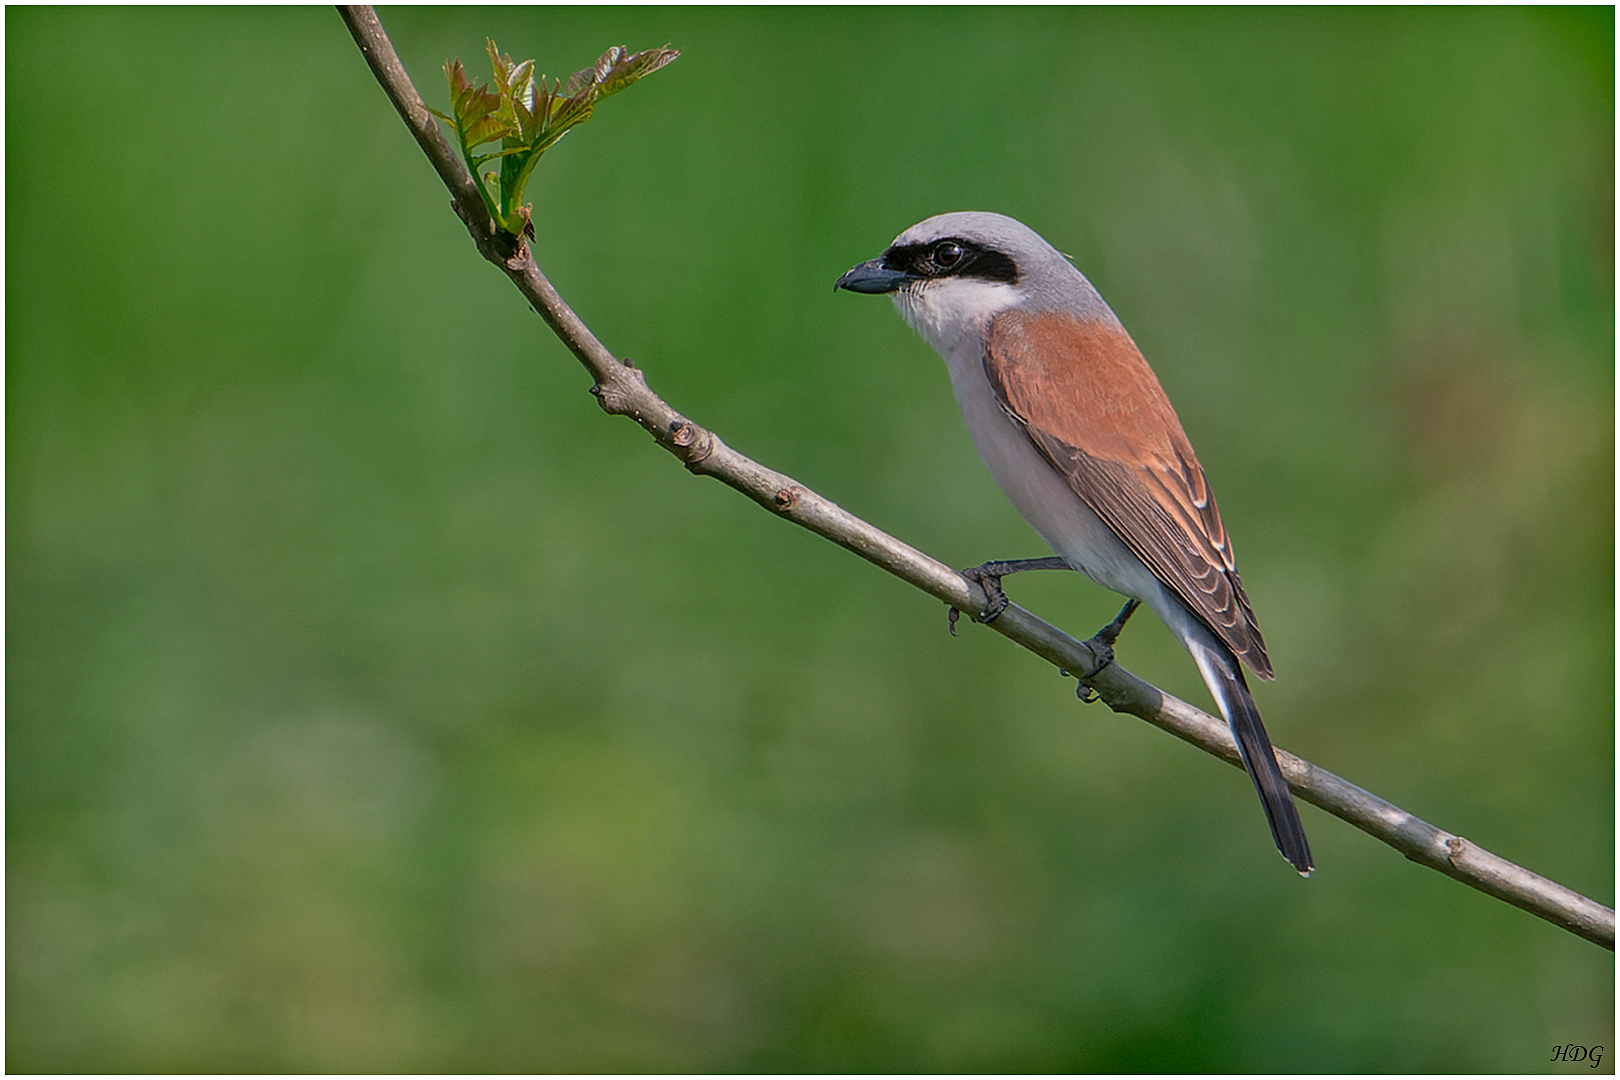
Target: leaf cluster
[527, 117]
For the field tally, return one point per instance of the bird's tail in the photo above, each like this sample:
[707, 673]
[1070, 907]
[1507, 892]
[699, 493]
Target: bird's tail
[1225, 679]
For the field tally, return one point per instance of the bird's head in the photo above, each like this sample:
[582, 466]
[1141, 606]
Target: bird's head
[953, 273]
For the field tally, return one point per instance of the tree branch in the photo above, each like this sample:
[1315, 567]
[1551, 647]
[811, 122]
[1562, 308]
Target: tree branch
[622, 390]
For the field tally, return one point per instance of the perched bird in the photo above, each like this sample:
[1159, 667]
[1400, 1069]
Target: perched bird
[1076, 430]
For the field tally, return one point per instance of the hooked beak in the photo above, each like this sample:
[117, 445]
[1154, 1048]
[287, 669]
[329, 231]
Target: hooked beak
[872, 276]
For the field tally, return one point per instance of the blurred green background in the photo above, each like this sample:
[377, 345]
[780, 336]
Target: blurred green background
[376, 703]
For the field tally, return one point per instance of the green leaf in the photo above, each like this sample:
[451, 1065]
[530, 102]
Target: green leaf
[457, 76]
[480, 160]
[528, 117]
[501, 64]
[631, 68]
[521, 84]
[484, 130]
[586, 77]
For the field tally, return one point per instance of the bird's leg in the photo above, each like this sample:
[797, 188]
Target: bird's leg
[1102, 644]
[1110, 633]
[989, 575]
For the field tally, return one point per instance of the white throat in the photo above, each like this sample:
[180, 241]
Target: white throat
[946, 310]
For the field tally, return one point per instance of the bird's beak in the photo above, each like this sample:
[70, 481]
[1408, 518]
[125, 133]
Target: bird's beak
[872, 276]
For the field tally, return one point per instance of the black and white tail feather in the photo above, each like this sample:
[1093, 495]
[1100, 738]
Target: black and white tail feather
[1224, 676]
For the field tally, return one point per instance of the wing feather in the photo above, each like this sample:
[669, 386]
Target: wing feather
[1082, 392]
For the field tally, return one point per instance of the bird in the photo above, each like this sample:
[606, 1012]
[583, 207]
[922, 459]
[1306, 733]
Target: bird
[1081, 438]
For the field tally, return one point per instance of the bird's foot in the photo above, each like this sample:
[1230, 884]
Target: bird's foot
[1102, 648]
[1102, 655]
[988, 577]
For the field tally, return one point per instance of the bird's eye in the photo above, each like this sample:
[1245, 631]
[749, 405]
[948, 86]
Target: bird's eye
[947, 254]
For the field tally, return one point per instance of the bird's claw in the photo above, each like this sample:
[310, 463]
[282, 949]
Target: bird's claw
[988, 576]
[1102, 648]
[1105, 656]
[995, 598]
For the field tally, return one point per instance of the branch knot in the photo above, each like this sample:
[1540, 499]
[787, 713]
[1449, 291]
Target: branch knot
[690, 443]
[612, 398]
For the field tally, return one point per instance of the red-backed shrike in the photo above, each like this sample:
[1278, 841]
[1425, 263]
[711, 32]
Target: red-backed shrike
[1076, 430]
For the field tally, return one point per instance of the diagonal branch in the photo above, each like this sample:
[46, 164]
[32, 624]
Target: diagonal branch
[621, 389]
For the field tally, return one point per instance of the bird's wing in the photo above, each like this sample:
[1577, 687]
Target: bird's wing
[1082, 392]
